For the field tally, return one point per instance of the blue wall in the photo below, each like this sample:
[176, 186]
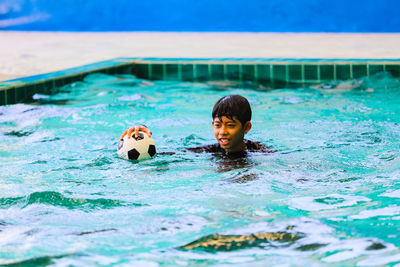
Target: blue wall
[202, 15]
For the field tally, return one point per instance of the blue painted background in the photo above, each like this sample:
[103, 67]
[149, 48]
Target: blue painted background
[201, 15]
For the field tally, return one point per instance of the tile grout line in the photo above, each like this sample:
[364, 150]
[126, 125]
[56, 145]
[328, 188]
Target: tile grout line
[334, 72]
[150, 71]
[26, 91]
[240, 69]
[180, 72]
[164, 71]
[53, 85]
[16, 94]
[271, 74]
[255, 73]
[287, 75]
[195, 72]
[225, 76]
[351, 71]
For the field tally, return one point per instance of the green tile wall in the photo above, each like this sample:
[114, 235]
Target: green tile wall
[279, 72]
[201, 72]
[263, 73]
[373, 68]
[232, 72]
[394, 70]
[327, 72]
[187, 72]
[44, 88]
[311, 72]
[142, 70]
[359, 70]
[171, 72]
[29, 91]
[20, 94]
[248, 72]
[2, 97]
[295, 73]
[280, 75]
[217, 72]
[157, 72]
[273, 73]
[343, 72]
[11, 93]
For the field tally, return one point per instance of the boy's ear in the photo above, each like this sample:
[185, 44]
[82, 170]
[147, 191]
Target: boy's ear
[247, 127]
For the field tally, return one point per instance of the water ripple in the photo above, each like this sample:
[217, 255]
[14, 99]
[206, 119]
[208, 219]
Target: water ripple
[37, 261]
[57, 199]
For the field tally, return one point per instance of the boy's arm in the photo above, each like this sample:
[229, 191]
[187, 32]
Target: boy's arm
[205, 148]
[256, 146]
[136, 129]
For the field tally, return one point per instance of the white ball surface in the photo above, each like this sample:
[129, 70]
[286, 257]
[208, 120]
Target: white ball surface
[143, 147]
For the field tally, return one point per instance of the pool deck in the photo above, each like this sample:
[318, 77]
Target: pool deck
[31, 53]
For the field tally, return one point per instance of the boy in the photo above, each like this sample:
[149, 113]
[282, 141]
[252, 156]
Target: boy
[231, 121]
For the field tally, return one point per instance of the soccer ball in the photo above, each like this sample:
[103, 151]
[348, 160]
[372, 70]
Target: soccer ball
[142, 147]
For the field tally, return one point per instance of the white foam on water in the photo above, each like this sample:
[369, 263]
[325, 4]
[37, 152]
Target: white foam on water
[134, 97]
[379, 260]
[395, 194]
[39, 96]
[340, 256]
[387, 211]
[309, 203]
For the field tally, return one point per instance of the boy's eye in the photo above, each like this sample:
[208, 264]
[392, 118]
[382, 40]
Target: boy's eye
[231, 125]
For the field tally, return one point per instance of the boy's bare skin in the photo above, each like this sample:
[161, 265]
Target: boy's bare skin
[230, 133]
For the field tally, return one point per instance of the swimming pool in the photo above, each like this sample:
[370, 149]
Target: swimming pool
[329, 194]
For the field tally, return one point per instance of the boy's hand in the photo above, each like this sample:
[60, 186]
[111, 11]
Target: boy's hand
[136, 129]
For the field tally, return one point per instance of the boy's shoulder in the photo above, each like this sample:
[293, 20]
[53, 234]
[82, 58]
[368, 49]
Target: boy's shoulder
[213, 148]
[255, 146]
[251, 146]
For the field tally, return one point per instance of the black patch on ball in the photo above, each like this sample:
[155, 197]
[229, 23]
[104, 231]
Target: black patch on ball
[133, 154]
[152, 150]
[121, 144]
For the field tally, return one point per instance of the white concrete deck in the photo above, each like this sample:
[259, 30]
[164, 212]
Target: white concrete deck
[30, 53]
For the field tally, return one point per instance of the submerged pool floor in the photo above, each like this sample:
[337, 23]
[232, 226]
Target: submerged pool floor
[329, 195]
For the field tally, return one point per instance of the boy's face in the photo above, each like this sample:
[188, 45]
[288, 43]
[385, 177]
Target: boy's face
[230, 133]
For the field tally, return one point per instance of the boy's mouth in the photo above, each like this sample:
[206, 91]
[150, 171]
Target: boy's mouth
[224, 141]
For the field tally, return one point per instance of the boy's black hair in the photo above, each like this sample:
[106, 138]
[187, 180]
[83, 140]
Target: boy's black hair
[233, 106]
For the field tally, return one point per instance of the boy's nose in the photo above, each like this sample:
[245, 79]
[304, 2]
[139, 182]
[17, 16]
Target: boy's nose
[223, 130]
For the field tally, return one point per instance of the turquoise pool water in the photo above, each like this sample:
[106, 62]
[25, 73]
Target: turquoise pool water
[329, 195]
